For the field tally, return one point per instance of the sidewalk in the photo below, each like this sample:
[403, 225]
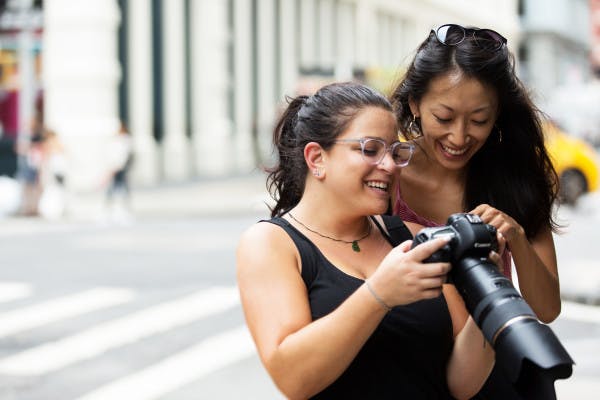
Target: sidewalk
[209, 197]
[247, 194]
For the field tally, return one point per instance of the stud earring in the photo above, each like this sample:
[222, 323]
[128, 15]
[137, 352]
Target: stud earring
[317, 172]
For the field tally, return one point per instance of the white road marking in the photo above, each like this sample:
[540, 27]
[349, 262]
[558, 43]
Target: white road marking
[580, 312]
[90, 343]
[581, 388]
[185, 367]
[64, 307]
[11, 291]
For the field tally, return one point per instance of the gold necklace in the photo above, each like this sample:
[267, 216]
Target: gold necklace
[354, 243]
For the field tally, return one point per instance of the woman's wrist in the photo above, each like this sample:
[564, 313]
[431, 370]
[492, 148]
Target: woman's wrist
[376, 296]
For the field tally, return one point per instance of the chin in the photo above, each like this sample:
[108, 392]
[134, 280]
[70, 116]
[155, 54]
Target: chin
[381, 207]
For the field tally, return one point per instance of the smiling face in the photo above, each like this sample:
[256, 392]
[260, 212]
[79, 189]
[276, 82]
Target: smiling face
[457, 116]
[367, 185]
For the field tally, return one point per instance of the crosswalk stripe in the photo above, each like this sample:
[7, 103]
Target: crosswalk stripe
[92, 342]
[580, 312]
[11, 291]
[61, 308]
[176, 371]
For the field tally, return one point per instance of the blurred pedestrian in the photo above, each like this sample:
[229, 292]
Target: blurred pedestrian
[53, 172]
[30, 153]
[338, 305]
[480, 149]
[120, 158]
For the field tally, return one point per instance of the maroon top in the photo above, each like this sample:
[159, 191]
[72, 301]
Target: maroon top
[407, 214]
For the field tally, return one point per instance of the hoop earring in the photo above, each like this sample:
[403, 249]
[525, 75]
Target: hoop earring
[413, 127]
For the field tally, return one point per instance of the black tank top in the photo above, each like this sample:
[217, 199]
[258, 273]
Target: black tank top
[406, 356]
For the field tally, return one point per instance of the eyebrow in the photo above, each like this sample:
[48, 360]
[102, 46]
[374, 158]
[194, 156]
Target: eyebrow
[482, 108]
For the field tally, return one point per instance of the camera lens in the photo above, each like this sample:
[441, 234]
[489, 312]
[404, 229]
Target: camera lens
[529, 353]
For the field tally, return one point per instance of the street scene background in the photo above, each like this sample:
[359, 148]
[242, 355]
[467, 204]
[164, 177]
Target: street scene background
[132, 137]
[149, 309]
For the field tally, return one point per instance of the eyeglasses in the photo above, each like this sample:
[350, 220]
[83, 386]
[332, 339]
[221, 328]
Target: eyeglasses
[486, 39]
[373, 150]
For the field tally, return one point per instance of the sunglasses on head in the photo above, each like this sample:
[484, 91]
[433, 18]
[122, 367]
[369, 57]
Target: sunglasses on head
[453, 35]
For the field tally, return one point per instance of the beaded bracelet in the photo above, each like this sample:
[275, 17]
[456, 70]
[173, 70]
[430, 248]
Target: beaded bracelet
[379, 299]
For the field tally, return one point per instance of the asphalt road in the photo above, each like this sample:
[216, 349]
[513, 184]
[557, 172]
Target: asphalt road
[149, 310]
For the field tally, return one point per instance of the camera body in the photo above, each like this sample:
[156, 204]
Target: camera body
[469, 237]
[528, 351]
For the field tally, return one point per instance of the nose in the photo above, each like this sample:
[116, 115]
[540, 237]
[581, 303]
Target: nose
[387, 162]
[459, 136]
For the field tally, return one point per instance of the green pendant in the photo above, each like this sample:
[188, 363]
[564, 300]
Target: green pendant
[355, 246]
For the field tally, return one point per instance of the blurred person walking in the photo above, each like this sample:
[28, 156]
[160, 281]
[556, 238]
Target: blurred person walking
[53, 173]
[30, 153]
[120, 159]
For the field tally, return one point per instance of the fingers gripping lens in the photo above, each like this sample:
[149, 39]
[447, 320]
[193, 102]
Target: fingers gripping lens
[453, 35]
[373, 150]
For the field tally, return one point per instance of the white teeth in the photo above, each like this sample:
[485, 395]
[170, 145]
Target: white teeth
[378, 185]
[455, 152]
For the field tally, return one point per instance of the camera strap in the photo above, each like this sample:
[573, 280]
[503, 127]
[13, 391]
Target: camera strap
[395, 231]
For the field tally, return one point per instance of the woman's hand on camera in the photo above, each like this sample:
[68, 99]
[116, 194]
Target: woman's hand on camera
[506, 225]
[403, 278]
[497, 259]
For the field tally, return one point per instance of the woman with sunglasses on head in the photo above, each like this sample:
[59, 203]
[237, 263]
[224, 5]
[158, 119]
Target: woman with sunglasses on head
[479, 149]
[338, 304]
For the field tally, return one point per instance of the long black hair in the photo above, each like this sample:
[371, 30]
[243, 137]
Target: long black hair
[512, 171]
[319, 118]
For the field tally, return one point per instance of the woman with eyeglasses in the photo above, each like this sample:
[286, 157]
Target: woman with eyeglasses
[338, 305]
[479, 148]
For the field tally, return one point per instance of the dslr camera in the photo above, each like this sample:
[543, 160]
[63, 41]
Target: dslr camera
[528, 352]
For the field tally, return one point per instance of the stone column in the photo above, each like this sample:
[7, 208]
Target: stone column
[308, 51]
[242, 39]
[288, 59]
[81, 77]
[175, 143]
[346, 41]
[326, 29]
[210, 82]
[365, 34]
[267, 102]
[145, 168]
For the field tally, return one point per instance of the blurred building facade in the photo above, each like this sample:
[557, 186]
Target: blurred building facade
[555, 46]
[558, 61]
[199, 82]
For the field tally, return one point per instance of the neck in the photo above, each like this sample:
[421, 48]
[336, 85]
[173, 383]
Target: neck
[331, 222]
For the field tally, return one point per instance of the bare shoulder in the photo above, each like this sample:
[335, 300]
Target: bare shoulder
[263, 235]
[264, 246]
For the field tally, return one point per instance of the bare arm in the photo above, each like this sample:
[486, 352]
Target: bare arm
[472, 358]
[536, 266]
[535, 262]
[304, 356]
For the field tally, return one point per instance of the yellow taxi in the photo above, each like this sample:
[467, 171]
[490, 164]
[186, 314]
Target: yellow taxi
[576, 163]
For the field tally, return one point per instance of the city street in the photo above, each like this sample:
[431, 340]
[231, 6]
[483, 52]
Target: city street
[150, 310]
